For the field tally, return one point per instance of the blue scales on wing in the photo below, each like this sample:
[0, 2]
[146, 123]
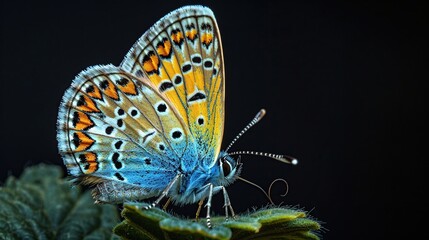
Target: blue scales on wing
[116, 132]
[181, 56]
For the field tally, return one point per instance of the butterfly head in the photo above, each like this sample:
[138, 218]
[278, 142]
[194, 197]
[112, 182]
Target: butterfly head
[229, 168]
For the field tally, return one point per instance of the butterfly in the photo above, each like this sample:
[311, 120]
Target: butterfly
[153, 126]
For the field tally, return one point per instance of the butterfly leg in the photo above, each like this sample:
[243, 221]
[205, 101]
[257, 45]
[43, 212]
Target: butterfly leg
[164, 192]
[166, 204]
[209, 202]
[208, 206]
[227, 204]
[197, 214]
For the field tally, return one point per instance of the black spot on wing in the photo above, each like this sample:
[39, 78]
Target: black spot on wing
[178, 80]
[104, 84]
[119, 176]
[206, 26]
[75, 119]
[196, 59]
[120, 123]
[146, 136]
[90, 89]
[109, 130]
[200, 121]
[118, 144]
[115, 159]
[208, 63]
[123, 82]
[165, 86]
[176, 134]
[81, 101]
[161, 147]
[190, 26]
[76, 141]
[197, 96]
[186, 68]
[134, 112]
[84, 161]
[161, 108]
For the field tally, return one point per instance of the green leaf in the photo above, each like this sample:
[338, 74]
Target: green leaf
[267, 223]
[43, 205]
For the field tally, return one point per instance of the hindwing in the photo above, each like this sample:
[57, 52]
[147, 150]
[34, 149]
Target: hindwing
[114, 126]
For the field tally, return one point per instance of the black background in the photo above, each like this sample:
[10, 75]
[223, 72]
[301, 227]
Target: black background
[342, 84]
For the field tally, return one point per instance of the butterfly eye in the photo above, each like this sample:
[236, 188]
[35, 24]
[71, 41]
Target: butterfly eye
[226, 167]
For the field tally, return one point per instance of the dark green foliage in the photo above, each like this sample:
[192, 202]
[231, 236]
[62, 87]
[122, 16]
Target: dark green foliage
[42, 205]
[269, 223]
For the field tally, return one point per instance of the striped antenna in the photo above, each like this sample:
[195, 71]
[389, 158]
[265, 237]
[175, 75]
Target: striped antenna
[255, 120]
[281, 158]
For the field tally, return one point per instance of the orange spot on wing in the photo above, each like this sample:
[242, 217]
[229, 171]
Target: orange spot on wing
[81, 121]
[164, 48]
[86, 104]
[91, 160]
[129, 87]
[150, 63]
[94, 92]
[177, 37]
[82, 141]
[110, 90]
[191, 34]
[206, 39]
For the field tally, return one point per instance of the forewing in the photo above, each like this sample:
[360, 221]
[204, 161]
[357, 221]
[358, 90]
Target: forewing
[182, 57]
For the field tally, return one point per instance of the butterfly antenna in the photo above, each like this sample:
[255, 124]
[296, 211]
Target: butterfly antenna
[276, 180]
[281, 158]
[255, 120]
[257, 186]
[268, 195]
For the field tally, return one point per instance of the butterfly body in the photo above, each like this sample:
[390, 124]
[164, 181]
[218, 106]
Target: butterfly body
[153, 125]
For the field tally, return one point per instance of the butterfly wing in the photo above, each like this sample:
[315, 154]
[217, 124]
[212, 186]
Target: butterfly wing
[182, 57]
[115, 127]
